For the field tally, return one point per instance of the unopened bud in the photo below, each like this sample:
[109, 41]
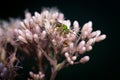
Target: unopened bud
[61, 16]
[43, 34]
[71, 45]
[31, 23]
[84, 59]
[98, 32]
[34, 76]
[22, 25]
[74, 58]
[36, 14]
[41, 76]
[31, 74]
[20, 32]
[81, 44]
[100, 38]
[36, 38]
[68, 23]
[37, 77]
[66, 54]
[68, 59]
[89, 31]
[84, 28]
[91, 35]
[29, 36]
[76, 25]
[84, 34]
[89, 23]
[22, 39]
[16, 31]
[90, 42]
[37, 29]
[45, 13]
[27, 23]
[34, 18]
[89, 48]
[71, 62]
[40, 73]
[27, 15]
[55, 15]
[82, 50]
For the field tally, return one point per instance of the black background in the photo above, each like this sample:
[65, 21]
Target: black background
[104, 62]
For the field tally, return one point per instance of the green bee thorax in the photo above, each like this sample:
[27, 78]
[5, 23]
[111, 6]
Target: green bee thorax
[64, 27]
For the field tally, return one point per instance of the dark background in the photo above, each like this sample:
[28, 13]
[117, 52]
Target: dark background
[104, 62]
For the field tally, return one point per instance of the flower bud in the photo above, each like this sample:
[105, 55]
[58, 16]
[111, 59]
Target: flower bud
[89, 24]
[82, 50]
[68, 24]
[89, 31]
[41, 76]
[71, 62]
[34, 19]
[76, 26]
[84, 28]
[100, 38]
[55, 15]
[60, 16]
[40, 73]
[29, 36]
[37, 15]
[15, 30]
[84, 59]
[45, 13]
[20, 32]
[81, 44]
[22, 39]
[22, 25]
[74, 58]
[71, 45]
[31, 74]
[98, 32]
[26, 23]
[66, 54]
[27, 15]
[91, 35]
[89, 48]
[37, 29]
[43, 34]
[90, 42]
[64, 49]
[36, 38]
[34, 76]
[37, 77]
[31, 23]
[84, 34]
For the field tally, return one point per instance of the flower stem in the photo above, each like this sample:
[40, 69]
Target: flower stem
[54, 73]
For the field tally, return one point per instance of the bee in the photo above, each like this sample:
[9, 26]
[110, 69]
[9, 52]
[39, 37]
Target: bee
[62, 28]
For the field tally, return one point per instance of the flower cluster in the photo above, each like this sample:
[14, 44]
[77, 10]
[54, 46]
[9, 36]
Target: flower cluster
[46, 40]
